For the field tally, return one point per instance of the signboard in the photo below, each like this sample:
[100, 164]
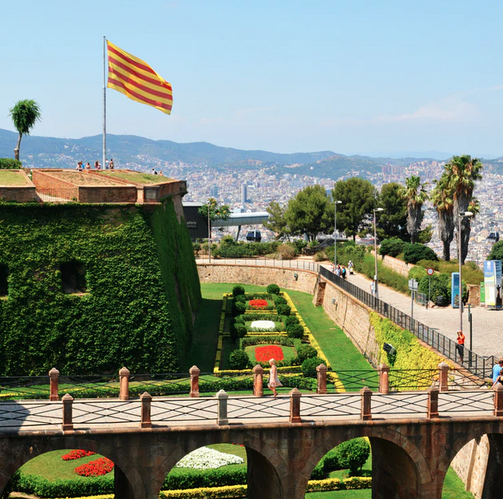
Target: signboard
[482, 293]
[430, 271]
[455, 290]
[492, 283]
[413, 284]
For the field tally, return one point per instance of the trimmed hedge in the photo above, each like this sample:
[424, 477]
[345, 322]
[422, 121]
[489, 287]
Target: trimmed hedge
[186, 478]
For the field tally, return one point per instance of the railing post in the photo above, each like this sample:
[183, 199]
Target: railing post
[146, 410]
[222, 408]
[432, 408]
[124, 383]
[67, 412]
[384, 379]
[194, 372]
[295, 406]
[258, 381]
[366, 412]
[54, 381]
[498, 400]
[443, 377]
[321, 387]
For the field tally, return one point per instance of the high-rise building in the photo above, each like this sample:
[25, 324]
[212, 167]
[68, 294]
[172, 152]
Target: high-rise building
[214, 191]
[244, 193]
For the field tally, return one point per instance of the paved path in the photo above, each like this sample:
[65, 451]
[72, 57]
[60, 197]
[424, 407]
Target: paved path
[487, 324]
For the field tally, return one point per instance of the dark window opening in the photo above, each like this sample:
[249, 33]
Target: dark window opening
[4, 273]
[73, 275]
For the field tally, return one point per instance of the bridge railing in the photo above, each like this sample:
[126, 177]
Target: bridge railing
[477, 364]
[264, 262]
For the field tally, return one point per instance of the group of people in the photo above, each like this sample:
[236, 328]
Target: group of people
[97, 165]
[341, 271]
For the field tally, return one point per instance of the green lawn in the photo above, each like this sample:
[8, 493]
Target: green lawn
[12, 178]
[140, 178]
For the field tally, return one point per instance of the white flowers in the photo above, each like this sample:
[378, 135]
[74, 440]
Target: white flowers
[262, 326]
[206, 458]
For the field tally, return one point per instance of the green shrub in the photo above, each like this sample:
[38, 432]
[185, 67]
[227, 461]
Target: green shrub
[417, 273]
[238, 359]
[240, 306]
[392, 247]
[283, 310]
[238, 290]
[435, 286]
[412, 253]
[291, 320]
[279, 300]
[331, 461]
[295, 331]
[309, 366]
[186, 478]
[238, 330]
[286, 251]
[353, 454]
[318, 472]
[10, 164]
[306, 352]
[239, 320]
[240, 298]
[320, 256]
[196, 247]
[273, 289]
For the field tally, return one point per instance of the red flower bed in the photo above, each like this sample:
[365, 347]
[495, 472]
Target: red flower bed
[77, 454]
[260, 304]
[264, 354]
[98, 467]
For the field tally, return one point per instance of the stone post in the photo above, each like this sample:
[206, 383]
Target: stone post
[124, 383]
[146, 410]
[498, 400]
[295, 406]
[194, 372]
[366, 413]
[258, 381]
[54, 381]
[321, 387]
[432, 407]
[67, 412]
[384, 379]
[443, 377]
[222, 408]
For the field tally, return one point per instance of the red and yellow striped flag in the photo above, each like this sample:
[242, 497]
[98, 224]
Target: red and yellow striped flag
[137, 80]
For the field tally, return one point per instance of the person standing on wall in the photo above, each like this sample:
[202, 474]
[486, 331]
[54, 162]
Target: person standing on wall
[460, 347]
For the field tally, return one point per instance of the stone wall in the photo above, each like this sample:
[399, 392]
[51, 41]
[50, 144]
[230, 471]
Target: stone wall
[20, 194]
[399, 266]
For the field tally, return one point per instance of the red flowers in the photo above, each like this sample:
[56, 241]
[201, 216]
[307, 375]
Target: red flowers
[98, 467]
[264, 354]
[77, 454]
[260, 304]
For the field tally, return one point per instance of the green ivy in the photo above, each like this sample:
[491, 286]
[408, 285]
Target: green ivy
[142, 288]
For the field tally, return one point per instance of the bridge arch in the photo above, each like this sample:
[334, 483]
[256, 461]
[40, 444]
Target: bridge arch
[127, 481]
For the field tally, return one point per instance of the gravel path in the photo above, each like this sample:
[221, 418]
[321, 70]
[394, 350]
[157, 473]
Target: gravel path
[487, 324]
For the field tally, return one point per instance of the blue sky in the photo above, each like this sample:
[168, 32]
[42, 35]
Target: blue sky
[355, 77]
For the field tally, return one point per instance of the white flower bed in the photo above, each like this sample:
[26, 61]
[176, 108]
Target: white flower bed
[206, 458]
[263, 326]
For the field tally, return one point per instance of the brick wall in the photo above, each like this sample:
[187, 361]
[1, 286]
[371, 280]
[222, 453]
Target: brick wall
[107, 194]
[46, 184]
[20, 194]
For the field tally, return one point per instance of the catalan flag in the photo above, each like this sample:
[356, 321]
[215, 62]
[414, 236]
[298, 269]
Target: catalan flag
[137, 80]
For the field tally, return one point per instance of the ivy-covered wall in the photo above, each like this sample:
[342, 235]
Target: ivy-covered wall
[142, 289]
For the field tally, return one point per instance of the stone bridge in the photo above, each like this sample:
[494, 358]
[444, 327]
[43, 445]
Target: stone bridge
[414, 436]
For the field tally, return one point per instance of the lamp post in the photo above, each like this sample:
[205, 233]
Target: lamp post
[335, 232]
[376, 280]
[465, 214]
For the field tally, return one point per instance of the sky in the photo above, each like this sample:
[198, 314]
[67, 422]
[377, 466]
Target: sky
[373, 77]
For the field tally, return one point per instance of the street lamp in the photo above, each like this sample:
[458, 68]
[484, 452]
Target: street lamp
[335, 233]
[466, 214]
[376, 280]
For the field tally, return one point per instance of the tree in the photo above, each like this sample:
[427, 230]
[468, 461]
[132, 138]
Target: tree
[277, 221]
[309, 212]
[212, 211]
[25, 114]
[463, 172]
[392, 221]
[441, 197]
[415, 195]
[359, 198]
[496, 252]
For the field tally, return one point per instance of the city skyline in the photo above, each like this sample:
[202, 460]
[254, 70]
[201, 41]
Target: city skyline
[352, 77]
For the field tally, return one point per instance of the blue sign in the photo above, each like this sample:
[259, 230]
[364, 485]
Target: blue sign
[455, 290]
[492, 283]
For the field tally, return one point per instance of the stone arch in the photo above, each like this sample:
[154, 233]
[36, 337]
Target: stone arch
[260, 453]
[16, 452]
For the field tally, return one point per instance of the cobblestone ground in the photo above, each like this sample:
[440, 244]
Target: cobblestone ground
[487, 324]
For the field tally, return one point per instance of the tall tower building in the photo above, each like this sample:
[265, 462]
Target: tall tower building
[244, 193]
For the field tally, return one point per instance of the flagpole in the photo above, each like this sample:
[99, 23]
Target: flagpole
[104, 164]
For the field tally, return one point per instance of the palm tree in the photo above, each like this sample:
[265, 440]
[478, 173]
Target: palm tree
[463, 171]
[441, 197]
[25, 114]
[415, 194]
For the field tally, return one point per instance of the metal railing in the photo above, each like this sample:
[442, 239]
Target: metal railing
[477, 364]
[263, 262]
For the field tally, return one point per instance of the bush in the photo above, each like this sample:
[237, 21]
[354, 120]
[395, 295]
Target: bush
[286, 251]
[240, 307]
[10, 164]
[239, 320]
[353, 454]
[412, 253]
[239, 359]
[273, 289]
[321, 256]
[238, 330]
[283, 310]
[196, 247]
[306, 352]
[392, 247]
[295, 331]
[238, 290]
[186, 478]
[417, 273]
[279, 300]
[291, 320]
[440, 286]
[240, 298]
[309, 366]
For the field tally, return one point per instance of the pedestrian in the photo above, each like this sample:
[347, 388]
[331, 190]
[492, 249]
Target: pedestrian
[332, 268]
[273, 377]
[97, 165]
[350, 267]
[338, 271]
[88, 166]
[372, 288]
[497, 370]
[460, 347]
[499, 379]
[79, 166]
[343, 272]
[111, 164]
